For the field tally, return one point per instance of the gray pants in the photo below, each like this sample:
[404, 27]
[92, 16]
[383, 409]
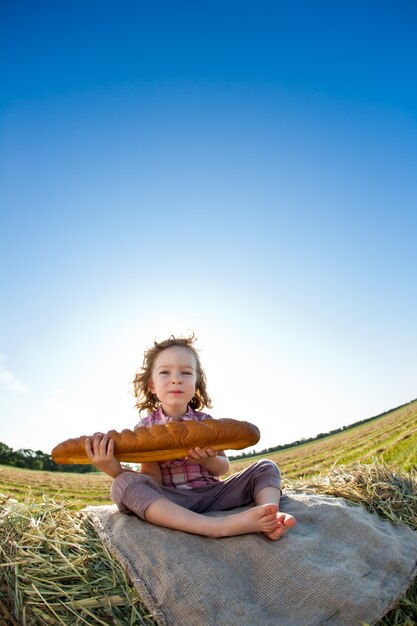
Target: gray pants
[134, 492]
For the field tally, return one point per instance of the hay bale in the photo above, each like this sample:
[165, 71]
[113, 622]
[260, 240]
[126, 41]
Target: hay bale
[54, 569]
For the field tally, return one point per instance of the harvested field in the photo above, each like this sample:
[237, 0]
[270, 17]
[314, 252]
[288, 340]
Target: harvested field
[391, 438]
[79, 489]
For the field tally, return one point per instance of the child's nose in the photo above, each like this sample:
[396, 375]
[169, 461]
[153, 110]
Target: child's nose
[176, 379]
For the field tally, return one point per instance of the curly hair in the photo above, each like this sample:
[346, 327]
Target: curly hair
[148, 400]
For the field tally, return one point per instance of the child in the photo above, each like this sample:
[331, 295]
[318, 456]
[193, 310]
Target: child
[174, 494]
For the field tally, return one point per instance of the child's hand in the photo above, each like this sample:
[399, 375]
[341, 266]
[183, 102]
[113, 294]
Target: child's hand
[215, 462]
[100, 450]
[200, 455]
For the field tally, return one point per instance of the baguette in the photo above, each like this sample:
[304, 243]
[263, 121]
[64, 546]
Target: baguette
[164, 442]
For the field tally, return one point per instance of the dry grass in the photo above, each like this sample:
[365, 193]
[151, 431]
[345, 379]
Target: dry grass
[381, 490]
[55, 569]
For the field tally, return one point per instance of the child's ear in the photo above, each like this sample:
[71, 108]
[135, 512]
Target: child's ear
[151, 387]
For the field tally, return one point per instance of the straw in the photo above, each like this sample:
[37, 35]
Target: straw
[390, 493]
[54, 569]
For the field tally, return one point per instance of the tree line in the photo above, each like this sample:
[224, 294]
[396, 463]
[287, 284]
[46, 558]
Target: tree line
[37, 460]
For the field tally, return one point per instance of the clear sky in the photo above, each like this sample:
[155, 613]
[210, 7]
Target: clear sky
[246, 170]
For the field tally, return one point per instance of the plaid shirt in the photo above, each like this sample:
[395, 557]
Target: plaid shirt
[179, 473]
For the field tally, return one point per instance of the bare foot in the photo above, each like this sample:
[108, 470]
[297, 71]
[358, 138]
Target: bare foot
[258, 519]
[283, 523]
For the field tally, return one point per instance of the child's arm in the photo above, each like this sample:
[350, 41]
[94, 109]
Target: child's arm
[153, 470]
[215, 462]
[100, 451]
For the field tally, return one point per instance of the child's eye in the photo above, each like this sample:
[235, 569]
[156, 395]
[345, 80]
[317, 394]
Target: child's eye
[164, 372]
[188, 373]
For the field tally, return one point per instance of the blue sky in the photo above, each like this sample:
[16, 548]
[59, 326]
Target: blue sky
[246, 171]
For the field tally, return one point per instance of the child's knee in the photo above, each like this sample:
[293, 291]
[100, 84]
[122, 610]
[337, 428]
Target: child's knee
[121, 483]
[133, 492]
[266, 466]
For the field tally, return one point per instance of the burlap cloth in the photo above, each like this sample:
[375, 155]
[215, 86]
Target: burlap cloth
[340, 566]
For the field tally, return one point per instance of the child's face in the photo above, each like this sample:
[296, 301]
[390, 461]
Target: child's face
[173, 381]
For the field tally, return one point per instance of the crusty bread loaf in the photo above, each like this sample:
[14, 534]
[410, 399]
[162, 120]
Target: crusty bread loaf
[164, 442]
